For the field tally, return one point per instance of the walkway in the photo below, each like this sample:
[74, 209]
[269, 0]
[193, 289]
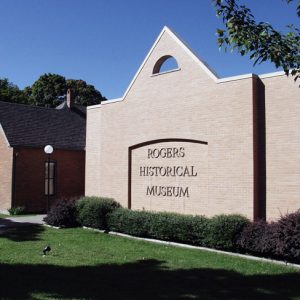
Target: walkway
[12, 222]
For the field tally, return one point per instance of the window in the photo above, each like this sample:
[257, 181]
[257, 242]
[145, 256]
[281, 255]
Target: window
[164, 64]
[50, 178]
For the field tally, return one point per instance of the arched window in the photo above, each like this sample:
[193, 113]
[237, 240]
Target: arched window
[164, 64]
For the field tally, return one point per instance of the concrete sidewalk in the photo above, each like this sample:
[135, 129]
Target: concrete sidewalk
[11, 222]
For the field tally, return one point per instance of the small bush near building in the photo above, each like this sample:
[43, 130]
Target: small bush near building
[131, 222]
[279, 240]
[62, 214]
[288, 237]
[18, 210]
[179, 228]
[224, 230]
[258, 238]
[93, 211]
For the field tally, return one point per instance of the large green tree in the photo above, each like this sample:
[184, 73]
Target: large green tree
[9, 92]
[50, 90]
[260, 40]
[84, 94]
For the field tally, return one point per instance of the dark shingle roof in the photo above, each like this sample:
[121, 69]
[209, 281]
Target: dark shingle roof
[31, 126]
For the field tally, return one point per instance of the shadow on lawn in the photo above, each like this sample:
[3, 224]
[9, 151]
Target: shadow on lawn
[20, 232]
[147, 279]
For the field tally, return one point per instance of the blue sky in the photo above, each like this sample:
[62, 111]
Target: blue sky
[104, 41]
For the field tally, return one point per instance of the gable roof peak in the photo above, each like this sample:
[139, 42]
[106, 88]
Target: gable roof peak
[184, 46]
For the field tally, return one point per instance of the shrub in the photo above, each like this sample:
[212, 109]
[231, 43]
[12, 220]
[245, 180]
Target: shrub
[62, 214]
[159, 225]
[131, 222]
[179, 228]
[223, 231]
[18, 210]
[279, 240]
[288, 237]
[93, 211]
[199, 230]
[258, 238]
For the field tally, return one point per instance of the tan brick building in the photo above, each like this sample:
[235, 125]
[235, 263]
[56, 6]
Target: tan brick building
[187, 141]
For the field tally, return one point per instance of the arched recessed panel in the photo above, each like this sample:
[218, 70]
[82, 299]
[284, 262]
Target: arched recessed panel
[168, 175]
[164, 64]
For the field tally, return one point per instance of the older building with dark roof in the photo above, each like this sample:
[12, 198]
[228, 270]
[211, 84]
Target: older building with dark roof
[24, 132]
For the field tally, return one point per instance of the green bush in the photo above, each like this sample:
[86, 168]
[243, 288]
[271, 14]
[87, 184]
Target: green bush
[93, 211]
[223, 231]
[131, 222]
[18, 210]
[158, 225]
[179, 228]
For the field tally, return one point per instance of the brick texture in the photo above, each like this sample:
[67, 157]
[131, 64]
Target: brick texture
[6, 154]
[282, 145]
[30, 177]
[189, 104]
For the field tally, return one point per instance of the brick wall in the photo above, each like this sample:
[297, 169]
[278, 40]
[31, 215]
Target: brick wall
[93, 155]
[251, 125]
[6, 157]
[282, 96]
[185, 104]
[30, 177]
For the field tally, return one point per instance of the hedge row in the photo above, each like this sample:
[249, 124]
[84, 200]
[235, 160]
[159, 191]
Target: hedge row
[219, 232]
[279, 240]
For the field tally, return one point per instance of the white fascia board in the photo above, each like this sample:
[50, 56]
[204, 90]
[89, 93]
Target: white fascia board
[93, 106]
[4, 135]
[273, 74]
[245, 76]
[104, 103]
[111, 101]
[234, 78]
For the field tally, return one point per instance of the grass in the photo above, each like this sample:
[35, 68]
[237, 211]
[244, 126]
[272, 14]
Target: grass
[4, 216]
[89, 265]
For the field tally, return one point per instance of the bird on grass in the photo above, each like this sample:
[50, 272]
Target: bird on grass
[46, 250]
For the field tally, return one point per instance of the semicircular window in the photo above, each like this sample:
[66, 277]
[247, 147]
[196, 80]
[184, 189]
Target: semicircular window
[164, 64]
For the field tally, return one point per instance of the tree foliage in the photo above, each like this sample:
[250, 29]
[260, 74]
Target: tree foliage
[9, 92]
[49, 91]
[84, 94]
[260, 40]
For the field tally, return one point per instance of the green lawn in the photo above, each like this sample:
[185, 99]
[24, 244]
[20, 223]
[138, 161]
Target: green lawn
[89, 265]
[4, 216]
